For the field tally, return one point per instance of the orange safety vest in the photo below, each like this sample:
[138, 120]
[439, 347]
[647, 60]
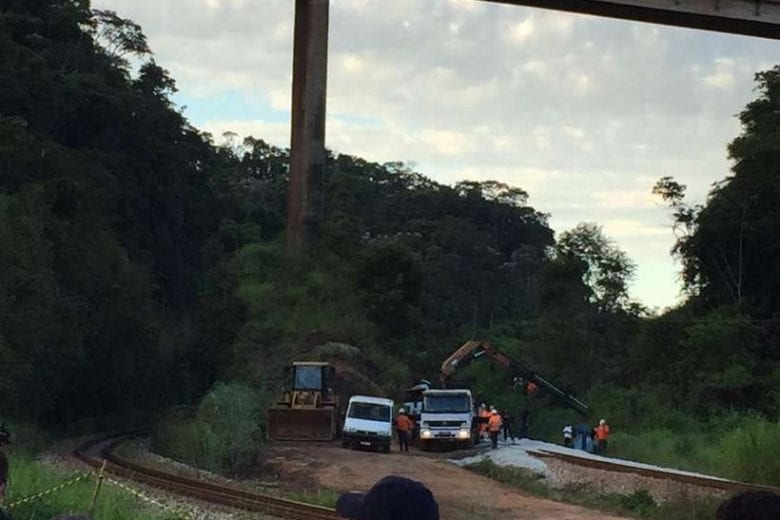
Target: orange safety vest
[494, 424]
[483, 425]
[602, 432]
[403, 423]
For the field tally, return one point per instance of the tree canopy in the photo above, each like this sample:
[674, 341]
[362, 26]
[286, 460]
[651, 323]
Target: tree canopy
[142, 261]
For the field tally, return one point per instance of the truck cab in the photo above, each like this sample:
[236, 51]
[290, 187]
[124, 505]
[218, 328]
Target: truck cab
[368, 423]
[447, 417]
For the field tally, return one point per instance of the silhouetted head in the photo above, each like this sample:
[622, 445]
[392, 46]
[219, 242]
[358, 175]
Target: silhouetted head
[392, 498]
[750, 505]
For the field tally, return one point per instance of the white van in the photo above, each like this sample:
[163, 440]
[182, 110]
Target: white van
[368, 423]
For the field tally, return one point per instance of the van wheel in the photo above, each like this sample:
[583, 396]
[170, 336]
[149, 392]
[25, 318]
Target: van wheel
[346, 444]
[386, 448]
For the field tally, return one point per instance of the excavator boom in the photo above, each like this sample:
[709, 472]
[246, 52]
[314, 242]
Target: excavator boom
[472, 350]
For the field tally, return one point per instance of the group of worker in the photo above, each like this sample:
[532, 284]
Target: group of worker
[585, 438]
[493, 422]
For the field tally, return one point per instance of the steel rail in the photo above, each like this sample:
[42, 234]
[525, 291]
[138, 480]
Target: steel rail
[115, 465]
[697, 480]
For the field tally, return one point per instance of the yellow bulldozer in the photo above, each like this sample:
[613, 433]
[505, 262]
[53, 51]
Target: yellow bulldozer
[309, 409]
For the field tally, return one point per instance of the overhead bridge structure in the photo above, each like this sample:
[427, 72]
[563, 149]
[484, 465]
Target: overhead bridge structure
[758, 18]
[748, 17]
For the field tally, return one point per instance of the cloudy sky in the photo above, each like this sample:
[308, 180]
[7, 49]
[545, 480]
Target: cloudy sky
[584, 113]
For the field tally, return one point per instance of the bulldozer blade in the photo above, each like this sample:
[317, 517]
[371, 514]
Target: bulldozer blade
[295, 424]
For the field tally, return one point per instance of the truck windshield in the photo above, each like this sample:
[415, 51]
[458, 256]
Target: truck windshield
[308, 378]
[446, 403]
[369, 411]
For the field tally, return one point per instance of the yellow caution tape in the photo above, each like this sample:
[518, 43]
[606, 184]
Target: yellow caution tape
[38, 496]
[180, 512]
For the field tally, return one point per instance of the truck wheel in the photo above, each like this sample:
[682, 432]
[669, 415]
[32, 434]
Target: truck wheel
[346, 444]
[425, 446]
[386, 448]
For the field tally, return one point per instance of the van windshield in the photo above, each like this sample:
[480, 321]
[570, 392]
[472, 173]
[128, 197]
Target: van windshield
[447, 403]
[369, 412]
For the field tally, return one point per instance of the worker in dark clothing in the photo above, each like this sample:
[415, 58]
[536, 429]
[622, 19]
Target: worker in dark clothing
[506, 422]
[403, 425]
[3, 482]
[524, 424]
[582, 432]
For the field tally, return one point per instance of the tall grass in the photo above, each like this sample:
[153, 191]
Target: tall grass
[28, 477]
[226, 432]
[748, 451]
[321, 497]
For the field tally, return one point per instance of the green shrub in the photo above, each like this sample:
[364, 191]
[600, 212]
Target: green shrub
[751, 452]
[640, 502]
[742, 447]
[226, 432]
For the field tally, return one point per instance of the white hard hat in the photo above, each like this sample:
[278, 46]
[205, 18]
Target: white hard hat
[401, 410]
[602, 421]
[482, 405]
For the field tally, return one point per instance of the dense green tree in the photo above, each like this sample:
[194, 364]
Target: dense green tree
[729, 246]
[606, 269]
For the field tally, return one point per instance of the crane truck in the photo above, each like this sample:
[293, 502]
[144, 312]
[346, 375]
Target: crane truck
[475, 349]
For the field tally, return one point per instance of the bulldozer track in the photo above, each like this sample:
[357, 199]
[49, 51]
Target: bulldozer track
[274, 506]
[702, 481]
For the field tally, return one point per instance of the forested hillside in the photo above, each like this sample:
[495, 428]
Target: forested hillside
[140, 262]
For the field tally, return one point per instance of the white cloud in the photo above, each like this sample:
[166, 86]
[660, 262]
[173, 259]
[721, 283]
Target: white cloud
[624, 199]
[520, 32]
[722, 78]
[633, 229]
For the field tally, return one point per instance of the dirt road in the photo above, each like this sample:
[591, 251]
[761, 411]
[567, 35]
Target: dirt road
[461, 494]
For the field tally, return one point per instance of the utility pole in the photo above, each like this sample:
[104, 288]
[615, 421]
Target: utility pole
[307, 148]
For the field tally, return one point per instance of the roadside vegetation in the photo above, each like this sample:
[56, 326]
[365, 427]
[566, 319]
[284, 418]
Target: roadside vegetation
[225, 432]
[30, 476]
[639, 504]
[144, 269]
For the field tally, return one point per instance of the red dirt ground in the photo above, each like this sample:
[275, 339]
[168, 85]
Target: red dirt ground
[460, 493]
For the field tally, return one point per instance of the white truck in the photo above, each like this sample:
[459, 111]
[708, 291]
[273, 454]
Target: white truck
[368, 423]
[447, 417]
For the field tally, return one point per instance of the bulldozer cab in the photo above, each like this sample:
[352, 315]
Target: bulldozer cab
[310, 376]
[308, 409]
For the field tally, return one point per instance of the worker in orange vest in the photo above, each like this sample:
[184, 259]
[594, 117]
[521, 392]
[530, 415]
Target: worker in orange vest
[602, 434]
[494, 428]
[484, 417]
[403, 425]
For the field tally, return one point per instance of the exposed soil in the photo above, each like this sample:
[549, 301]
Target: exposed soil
[460, 493]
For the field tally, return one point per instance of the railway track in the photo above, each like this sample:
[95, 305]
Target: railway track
[273, 506]
[697, 480]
